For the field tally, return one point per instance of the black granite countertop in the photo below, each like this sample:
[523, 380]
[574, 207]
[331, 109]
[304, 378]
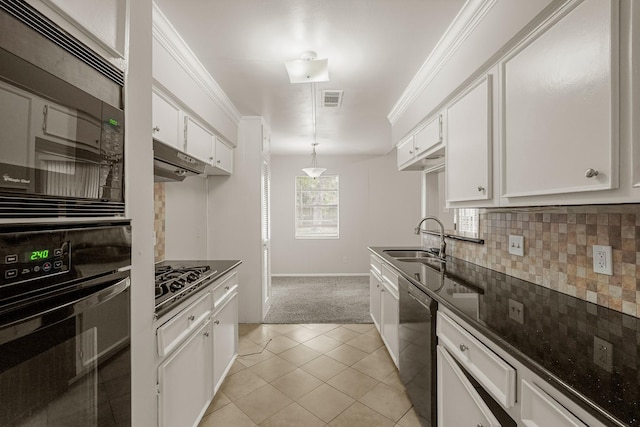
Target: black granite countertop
[556, 339]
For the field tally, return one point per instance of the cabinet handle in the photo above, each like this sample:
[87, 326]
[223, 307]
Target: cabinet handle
[218, 161]
[217, 322]
[416, 148]
[463, 347]
[480, 188]
[156, 128]
[410, 152]
[479, 425]
[226, 288]
[192, 317]
[211, 159]
[206, 334]
[590, 173]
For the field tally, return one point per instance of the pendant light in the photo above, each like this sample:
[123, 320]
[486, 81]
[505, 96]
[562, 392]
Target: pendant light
[314, 171]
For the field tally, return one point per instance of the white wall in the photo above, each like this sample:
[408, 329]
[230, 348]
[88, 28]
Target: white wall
[186, 219]
[378, 206]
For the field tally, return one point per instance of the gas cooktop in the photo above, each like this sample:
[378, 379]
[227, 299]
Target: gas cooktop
[176, 280]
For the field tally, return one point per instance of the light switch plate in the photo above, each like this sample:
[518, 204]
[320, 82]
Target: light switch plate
[516, 245]
[602, 260]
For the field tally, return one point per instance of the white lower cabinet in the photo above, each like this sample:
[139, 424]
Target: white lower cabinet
[375, 296]
[185, 383]
[539, 409]
[384, 304]
[225, 339]
[390, 319]
[459, 404]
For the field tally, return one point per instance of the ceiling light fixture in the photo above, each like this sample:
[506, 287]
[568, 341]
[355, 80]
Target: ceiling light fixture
[308, 69]
[314, 171]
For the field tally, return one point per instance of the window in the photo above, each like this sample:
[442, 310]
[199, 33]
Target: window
[317, 207]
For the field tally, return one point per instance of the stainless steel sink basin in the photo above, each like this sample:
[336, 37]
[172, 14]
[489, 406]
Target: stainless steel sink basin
[425, 257]
[409, 254]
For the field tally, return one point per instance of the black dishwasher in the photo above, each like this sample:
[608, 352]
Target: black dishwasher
[417, 339]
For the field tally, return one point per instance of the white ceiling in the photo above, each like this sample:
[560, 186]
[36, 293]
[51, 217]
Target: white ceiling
[374, 48]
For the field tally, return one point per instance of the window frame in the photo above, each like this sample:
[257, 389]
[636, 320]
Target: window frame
[297, 234]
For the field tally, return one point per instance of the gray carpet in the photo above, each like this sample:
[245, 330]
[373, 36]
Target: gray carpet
[341, 299]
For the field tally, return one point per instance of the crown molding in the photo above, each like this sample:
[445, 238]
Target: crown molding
[471, 14]
[165, 33]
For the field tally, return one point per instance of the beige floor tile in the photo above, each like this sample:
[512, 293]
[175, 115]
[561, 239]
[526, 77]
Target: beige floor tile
[244, 382]
[323, 367]
[321, 327]
[372, 331]
[322, 343]
[296, 383]
[393, 380]
[218, 402]
[245, 346]
[280, 344]
[302, 334]
[383, 353]
[236, 367]
[300, 354]
[282, 328]
[293, 415]
[326, 402]
[366, 343]
[261, 335]
[245, 328]
[375, 367]
[262, 403]
[410, 419]
[353, 383]
[347, 354]
[229, 415]
[342, 334]
[360, 328]
[386, 400]
[273, 368]
[359, 415]
[250, 359]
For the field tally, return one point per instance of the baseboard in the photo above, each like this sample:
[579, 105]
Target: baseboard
[321, 275]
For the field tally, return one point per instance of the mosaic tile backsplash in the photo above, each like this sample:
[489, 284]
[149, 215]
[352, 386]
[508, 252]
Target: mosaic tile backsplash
[158, 220]
[558, 250]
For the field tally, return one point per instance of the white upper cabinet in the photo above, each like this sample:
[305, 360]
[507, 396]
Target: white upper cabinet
[560, 103]
[223, 159]
[422, 148]
[166, 121]
[198, 141]
[468, 135]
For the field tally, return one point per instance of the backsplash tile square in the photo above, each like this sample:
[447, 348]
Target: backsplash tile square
[159, 220]
[558, 251]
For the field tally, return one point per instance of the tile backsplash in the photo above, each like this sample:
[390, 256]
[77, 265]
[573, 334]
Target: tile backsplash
[158, 220]
[558, 250]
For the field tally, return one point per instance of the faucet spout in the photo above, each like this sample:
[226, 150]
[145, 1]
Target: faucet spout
[443, 244]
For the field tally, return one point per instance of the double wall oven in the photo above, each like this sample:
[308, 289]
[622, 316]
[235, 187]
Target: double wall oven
[65, 247]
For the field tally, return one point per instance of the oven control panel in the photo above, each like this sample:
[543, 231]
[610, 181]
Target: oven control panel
[29, 262]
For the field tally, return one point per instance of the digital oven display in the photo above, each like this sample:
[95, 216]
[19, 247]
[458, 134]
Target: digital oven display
[37, 255]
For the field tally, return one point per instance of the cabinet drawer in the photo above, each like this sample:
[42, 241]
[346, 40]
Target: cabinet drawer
[226, 287]
[390, 278]
[539, 409]
[175, 330]
[491, 371]
[376, 264]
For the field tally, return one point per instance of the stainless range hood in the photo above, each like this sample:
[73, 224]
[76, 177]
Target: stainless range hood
[171, 164]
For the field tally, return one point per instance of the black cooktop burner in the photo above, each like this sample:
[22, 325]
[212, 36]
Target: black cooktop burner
[175, 282]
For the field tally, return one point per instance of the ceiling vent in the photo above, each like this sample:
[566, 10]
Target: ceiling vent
[332, 98]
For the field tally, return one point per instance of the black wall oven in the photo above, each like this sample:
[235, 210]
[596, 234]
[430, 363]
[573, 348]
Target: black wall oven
[62, 121]
[65, 324]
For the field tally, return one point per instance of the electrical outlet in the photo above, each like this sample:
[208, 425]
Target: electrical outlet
[516, 245]
[602, 260]
[603, 354]
[516, 311]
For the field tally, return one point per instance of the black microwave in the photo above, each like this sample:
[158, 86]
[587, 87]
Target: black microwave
[62, 121]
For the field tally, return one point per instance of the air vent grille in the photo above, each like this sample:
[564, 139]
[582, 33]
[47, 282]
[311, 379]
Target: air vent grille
[45, 207]
[332, 98]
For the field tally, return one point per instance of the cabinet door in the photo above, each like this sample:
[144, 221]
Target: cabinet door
[185, 381]
[428, 137]
[459, 404]
[166, 122]
[374, 298]
[223, 158]
[390, 320]
[405, 153]
[225, 339]
[468, 158]
[199, 141]
[560, 106]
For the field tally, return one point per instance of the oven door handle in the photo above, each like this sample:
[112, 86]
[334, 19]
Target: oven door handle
[61, 312]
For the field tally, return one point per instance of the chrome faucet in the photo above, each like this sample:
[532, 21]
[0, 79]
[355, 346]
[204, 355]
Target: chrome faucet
[443, 244]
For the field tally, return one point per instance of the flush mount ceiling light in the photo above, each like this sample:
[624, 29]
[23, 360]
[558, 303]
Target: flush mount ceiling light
[308, 69]
[314, 171]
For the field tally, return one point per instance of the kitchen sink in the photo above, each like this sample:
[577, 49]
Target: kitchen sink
[424, 257]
